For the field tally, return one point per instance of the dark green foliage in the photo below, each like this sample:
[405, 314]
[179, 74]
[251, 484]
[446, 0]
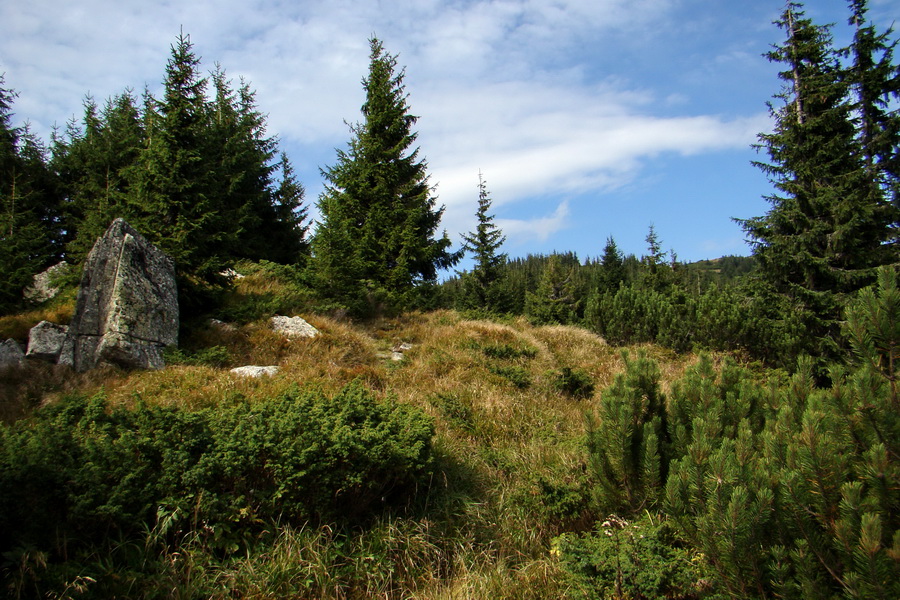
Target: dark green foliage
[516, 375]
[612, 271]
[875, 81]
[375, 248]
[555, 300]
[638, 559]
[576, 383]
[507, 360]
[194, 172]
[505, 351]
[82, 471]
[94, 164]
[832, 221]
[482, 287]
[628, 439]
[790, 490]
[31, 228]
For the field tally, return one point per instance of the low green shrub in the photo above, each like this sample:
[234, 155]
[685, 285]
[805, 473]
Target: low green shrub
[508, 351]
[576, 383]
[639, 559]
[81, 472]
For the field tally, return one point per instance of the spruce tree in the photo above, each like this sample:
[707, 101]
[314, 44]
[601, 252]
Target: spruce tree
[613, 267]
[555, 300]
[828, 226]
[481, 286]
[376, 241]
[288, 233]
[171, 197]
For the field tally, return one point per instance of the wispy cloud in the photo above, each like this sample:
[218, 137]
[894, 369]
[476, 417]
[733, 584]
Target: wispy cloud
[540, 229]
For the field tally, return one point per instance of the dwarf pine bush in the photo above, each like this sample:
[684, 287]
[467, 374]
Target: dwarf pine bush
[83, 471]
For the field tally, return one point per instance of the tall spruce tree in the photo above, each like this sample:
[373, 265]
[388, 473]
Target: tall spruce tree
[481, 285]
[288, 233]
[171, 197]
[376, 240]
[828, 226]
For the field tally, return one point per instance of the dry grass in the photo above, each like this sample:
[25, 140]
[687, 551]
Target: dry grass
[17, 326]
[488, 524]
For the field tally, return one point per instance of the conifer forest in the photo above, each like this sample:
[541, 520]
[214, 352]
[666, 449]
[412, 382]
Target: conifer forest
[543, 426]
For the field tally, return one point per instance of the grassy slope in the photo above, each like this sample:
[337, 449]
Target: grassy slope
[512, 471]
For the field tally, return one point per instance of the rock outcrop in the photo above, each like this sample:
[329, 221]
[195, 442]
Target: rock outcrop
[127, 306]
[11, 354]
[45, 341]
[293, 327]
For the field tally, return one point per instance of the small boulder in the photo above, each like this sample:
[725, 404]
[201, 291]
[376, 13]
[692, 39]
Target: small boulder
[11, 354]
[45, 341]
[255, 371]
[42, 288]
[293, 327]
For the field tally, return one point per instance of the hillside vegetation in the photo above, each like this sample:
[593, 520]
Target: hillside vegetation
[509, 474]
[545, 426]
[496, 459]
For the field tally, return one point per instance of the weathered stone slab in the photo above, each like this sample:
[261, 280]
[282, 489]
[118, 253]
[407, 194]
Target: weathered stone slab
[11, 354]
[293, 327]
[127, 306]
[45, 341]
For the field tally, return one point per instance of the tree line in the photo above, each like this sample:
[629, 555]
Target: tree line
[197, 172]
[834, 163]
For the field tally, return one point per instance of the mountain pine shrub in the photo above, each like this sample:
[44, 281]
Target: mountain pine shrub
[83, 471]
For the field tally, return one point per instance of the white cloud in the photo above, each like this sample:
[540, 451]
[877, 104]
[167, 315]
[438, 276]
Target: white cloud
[504, 86]
[519, 231]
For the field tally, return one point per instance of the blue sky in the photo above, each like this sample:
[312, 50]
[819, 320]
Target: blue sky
[587, 118]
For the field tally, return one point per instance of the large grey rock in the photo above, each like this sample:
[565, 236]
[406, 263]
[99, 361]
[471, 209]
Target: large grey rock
[127, 306]
[255, 371]
[11, 354]
[42, 287]
[45, 341]
[293, 327]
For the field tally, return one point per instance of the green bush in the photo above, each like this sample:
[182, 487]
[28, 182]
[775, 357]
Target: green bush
[503, 351]
[573, 382]
[640, 559]
[82, 471]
